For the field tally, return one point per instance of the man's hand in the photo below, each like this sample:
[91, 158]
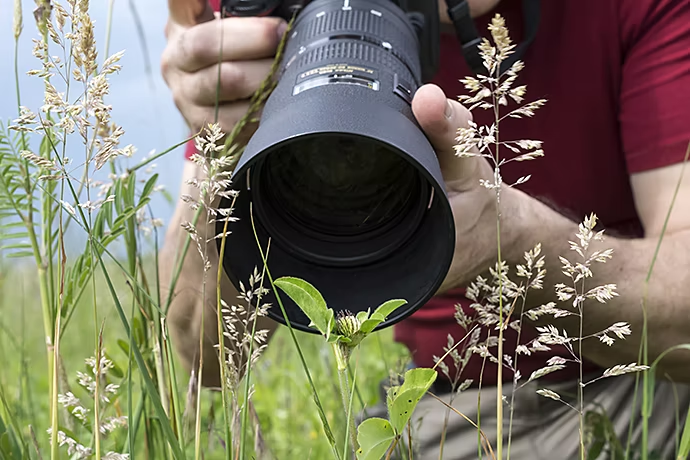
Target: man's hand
[190, 61]
[474, 206]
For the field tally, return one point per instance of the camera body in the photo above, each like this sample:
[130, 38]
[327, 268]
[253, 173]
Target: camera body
[422, 14]
[282, 8]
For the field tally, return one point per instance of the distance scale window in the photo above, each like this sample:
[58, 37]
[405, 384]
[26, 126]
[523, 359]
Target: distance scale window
[336, 74]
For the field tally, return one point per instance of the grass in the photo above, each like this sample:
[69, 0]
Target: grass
[281, 389]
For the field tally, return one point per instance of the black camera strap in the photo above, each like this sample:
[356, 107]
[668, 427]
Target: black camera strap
[466, 31]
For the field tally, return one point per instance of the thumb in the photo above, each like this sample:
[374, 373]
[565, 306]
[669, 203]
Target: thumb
[440, 118]
[188, 13]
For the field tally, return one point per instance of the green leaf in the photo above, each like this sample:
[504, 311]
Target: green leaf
[116, 370]
[122, 217]
[119, 194]
[6, 446]
[20, 234]
[380, 314]
[107, 211]
[403, 400]
[310, 301]
[98, 226]
[19, 254]
[12, 439]
[168, 197]
[131, 189]
[684, 450]
[362, 316]
[124, 346]
[21, 245]
[402, 407]
[113, 236]
[148, 187]
[386, 308]
[595, 424]
[374, 436]
[652, 371]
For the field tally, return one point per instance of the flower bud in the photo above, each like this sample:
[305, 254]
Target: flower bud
[17, 24]
[347, 324]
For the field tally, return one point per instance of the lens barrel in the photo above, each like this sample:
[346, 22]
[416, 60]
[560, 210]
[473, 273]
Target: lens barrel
[338, 175]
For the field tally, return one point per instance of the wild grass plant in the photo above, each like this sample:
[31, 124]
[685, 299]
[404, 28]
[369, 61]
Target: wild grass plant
[99, 378]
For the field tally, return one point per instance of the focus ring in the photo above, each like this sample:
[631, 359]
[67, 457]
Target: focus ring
[364, 34]
[355, 50]
[340, 20]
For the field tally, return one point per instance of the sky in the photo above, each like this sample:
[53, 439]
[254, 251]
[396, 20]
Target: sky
[142, 103]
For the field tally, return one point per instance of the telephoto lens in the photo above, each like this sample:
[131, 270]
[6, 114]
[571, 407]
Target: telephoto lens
[338, 175]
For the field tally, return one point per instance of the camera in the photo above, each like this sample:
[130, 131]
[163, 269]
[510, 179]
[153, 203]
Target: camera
[338, 175]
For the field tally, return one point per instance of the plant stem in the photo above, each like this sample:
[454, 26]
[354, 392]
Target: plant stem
[250, 352]
[395, 444]
[28, 221]
[646, 381]
[580, 387]
[499, 372]
[324, 421]
[197, 423]
[515, 366]
[341, 357]
[54, 452]
[221, 343]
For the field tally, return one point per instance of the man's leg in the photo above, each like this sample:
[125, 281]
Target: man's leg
[541, 427]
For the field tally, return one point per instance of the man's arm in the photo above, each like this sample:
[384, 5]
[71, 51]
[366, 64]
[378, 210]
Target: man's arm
[193, 309]
[668, 292]
[189, 65]
[526, 221]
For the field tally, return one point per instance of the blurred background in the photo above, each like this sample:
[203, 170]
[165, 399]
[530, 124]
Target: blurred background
[143, 106]
[142, 103]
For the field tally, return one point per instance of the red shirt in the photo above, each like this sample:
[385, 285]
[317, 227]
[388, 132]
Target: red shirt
[617, 78]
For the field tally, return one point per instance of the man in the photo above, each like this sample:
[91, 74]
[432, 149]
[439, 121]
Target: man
[615, 130]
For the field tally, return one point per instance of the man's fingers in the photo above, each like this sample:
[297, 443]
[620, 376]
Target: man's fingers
[228, 115]
[440, 118]
[236, 80]
[240, 39]
[188, 13]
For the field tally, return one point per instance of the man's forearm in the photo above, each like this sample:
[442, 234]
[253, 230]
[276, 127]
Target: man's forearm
[667, 295]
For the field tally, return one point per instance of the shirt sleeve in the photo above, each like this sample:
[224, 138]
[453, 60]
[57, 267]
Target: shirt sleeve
[655, 86]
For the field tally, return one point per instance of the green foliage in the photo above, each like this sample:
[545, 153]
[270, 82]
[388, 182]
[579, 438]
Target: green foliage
[310, 301]
[379, 315]
[345, 334]
[684, 449]
[602, 436]
[648, 388]
[14, 198]
[12, 443]
[403, 399]
[375, 436]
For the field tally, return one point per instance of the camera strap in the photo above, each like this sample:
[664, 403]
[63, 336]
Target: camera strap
[466, 31]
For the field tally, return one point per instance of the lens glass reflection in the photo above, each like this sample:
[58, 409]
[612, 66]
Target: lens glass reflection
[339, 184]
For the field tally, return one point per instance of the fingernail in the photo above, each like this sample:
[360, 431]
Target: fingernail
[449, 110]
[281, 30]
